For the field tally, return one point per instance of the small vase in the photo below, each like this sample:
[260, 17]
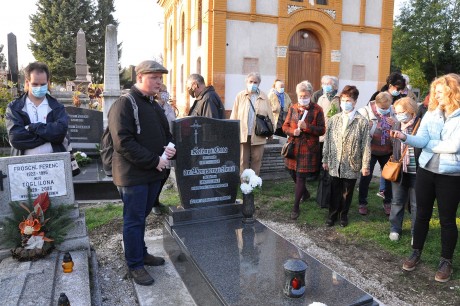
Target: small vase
[248, 208]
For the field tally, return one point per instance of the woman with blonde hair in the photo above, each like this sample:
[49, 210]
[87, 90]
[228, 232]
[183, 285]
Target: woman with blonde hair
[304, 124]
[404, 189]
[438, 176]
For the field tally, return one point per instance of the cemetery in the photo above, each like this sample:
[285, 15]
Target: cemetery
[224, 243]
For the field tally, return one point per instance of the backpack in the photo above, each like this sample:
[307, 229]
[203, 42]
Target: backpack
[106, 149]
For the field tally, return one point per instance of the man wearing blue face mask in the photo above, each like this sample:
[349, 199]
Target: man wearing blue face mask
[280, 102]
[36, 122]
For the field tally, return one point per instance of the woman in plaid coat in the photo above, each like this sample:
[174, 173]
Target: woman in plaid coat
[305, 135]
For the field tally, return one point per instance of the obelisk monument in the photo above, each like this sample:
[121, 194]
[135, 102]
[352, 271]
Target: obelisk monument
[111, 74]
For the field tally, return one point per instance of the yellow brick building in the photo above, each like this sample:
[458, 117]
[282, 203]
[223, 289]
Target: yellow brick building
[223, 40]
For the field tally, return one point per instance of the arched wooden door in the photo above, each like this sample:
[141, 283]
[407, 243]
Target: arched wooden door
[304, 61]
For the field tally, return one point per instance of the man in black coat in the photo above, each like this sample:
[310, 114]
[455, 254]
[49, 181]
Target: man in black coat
[137, 162]
[207, 101]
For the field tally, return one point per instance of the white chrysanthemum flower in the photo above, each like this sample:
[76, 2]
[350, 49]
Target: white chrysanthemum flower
[255, 181]
[246, 188]
[35, 242]
[83, 154]
[247, 174]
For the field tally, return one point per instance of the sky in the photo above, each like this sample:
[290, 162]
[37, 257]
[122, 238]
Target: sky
[140, 29]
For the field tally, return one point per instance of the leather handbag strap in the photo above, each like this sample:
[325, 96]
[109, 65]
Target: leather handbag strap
[413, 133]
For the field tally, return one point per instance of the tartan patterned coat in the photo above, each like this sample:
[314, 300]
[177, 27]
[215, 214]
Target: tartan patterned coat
[347, 153]
[306, 145]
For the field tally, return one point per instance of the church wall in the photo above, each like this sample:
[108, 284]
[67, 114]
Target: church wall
[267, 7]
[243, 6]
[351, 11]
[249, 40]
[373, 13]
[361, 71]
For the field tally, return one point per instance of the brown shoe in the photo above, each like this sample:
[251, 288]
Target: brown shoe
[387, 208]
[150, 260]
[414, 259]
[141, 277]
[363, 210]
[295, 215]
[445, 270]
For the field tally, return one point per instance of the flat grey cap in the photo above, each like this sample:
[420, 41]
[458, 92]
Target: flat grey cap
[149, 67]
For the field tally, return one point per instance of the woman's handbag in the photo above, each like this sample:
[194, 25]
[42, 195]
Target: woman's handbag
[392, 169]
[288, 149]
[264, 126]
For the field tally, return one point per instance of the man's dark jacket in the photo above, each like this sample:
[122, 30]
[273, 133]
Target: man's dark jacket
[136, 156]
[208, 104]
[53, 131]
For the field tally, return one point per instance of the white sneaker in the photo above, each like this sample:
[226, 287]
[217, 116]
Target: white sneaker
[394, 236]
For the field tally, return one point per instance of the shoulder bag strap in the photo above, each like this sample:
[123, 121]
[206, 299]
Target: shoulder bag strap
[413, 133]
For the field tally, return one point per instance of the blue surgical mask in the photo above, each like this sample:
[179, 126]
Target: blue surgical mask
[252, 87]
[395, 93]
[403, 117]
[346, 106]
[281, 90]
[304, 102]
[383, 111]
[39, 91]
[327, 88]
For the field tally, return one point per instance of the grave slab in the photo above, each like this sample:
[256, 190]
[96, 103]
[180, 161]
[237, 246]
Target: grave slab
[228, 263]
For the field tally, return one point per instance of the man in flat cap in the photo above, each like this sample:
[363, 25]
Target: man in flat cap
[137, 165]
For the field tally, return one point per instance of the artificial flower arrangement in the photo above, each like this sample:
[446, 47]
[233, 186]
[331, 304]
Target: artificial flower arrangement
[250, 181]
[35, 227]
[81, 158]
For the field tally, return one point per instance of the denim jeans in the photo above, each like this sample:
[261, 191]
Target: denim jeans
[138, 201]
[402, 192]
[366, 180]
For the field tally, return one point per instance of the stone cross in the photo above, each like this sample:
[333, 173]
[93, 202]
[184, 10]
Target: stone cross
[12, 58]
[111, 73]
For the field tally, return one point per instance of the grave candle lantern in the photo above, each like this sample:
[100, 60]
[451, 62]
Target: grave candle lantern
[67, 263]
[294, 278]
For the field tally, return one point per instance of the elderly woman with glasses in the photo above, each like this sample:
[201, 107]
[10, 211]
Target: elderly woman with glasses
[304, 124]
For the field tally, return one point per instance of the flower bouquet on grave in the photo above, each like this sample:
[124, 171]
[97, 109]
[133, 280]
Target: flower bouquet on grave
[82, 159]
[35, 227]
[251, 183]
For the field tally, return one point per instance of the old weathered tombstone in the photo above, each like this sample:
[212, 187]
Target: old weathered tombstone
[81, 63]
[111, 74]
[12, 58]
[85, 128]
[207, 168]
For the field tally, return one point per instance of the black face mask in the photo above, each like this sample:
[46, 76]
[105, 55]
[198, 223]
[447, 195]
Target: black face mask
[191, 92]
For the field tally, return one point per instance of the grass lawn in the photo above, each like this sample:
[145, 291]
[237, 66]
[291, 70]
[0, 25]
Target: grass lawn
[278, 196]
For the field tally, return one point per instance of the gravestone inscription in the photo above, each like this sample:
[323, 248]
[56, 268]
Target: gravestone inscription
[85, 128]
[40, 173]
[207, 161]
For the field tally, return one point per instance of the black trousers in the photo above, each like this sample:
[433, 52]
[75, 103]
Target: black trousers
[341, 196]
[445, 189]
[163, 181]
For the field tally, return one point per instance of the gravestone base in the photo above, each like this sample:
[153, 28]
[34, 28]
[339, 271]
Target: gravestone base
[180, 216]
[227, 263]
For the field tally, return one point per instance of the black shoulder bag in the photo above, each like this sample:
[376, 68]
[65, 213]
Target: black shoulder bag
[264, 126]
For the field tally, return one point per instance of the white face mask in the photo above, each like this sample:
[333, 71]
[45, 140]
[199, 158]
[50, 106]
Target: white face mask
[304, 102]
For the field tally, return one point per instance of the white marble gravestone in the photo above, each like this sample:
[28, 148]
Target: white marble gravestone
[111, 74]
[43, 172]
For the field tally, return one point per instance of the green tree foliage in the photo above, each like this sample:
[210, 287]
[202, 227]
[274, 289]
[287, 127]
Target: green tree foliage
[2, 57]
[54, 29]
[426, 39]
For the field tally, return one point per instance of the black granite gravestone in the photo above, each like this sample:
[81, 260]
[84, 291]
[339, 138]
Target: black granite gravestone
[85, 128]
[207, 169]
[207, 162]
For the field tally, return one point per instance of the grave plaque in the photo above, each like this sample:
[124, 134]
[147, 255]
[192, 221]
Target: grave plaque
[42, 172]
[207, 161]
[85, 128]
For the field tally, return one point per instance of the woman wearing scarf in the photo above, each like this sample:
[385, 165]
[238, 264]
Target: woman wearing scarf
[380, 115]
[404, 189]
[304, 124]
[280, 103]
